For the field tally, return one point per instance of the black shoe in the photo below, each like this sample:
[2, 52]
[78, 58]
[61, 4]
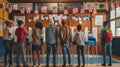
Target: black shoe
[78, 65]
[63, 65]
[25, 66]
[18, 65]
[109, 64]
[103, 64]
[83, 65]
[70, 65]
[47, 66]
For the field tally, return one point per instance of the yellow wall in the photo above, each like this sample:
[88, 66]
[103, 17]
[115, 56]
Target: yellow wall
[1, 16]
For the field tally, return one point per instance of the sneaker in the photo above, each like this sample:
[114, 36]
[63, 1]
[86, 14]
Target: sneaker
[39, 65]
[63, 65]
[78, 65]
[11, 66]
[109, 64]
[70, 65]
[34, 65]
[5, 65]
[103, 64]
[83, 66]
[18, 65]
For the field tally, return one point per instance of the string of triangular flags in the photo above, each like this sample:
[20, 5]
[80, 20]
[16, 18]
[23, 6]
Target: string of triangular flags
[44, 8]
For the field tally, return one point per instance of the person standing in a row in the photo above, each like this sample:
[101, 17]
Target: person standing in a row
[36, 43]
[7, 41]
[21, 33]
[65, 36]
[52, 42]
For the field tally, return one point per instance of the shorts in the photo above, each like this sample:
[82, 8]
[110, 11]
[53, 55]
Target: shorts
[36, 47]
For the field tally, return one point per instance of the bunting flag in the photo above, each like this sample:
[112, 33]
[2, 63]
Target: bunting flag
[65, 11]
[75, 10]
[82, 10]
[4, 5]
[94, 11]
[55, 9]
[90, 8]
[117, 4]
[36, 10]
[10, 9]
[22, 9]
[107, 5]
[43, 9]
[28, 9]
[112, 6]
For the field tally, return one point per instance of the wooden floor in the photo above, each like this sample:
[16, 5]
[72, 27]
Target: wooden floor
[89, 65]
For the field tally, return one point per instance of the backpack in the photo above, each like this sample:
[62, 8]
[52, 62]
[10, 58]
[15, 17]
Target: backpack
[77, 39]
[108, 35]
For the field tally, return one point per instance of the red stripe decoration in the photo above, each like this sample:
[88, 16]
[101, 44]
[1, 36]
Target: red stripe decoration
[44, 9]
[82, 10]
[75, 10]
[107, 5]
[112, 6]
[94, 11]
[90, 8]
[65, 11]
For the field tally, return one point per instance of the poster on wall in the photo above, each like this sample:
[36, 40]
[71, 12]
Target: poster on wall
[16, 18]
[94, 31]
[112, 27]
[98, 19]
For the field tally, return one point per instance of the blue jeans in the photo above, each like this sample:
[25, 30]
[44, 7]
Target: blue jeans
[53, 47]
[109, 45]
[8, 51]
[66, 48]
[21, 50]
[81, 49]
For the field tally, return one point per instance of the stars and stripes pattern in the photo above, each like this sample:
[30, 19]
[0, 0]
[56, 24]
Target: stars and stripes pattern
[22, 9]
[65, 11]
[43, 9]
[10, 9]
[82, 9]
[75, 10]
[90, 9]
[94, 11]
[55, 9]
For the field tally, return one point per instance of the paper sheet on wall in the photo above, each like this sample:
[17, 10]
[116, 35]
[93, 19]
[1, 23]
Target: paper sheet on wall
[86, 34]
[98, 19]
[94, 31]
[1, 28]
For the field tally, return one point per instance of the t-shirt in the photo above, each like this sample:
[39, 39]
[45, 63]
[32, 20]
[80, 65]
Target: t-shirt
[21, 35]
[103, 31]
[36, 36]
[81, 37]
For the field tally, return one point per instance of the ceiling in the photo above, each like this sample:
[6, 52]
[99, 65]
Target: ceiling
[53, 1]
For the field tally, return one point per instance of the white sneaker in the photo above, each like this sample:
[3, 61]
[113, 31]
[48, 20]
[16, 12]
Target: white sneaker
[34, 65]
[39, 65]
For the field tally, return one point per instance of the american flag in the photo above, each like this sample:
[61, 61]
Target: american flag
[82, 10]
[28, 9]
[44, 9]
[75, 10]
[4, 5]
[90, 8]
[118, 4]
[22, 9]
[94, 11]
[107, 5]
[65, 11]
[10, 9]
[36, 10]
[112, 5]
[55, 9]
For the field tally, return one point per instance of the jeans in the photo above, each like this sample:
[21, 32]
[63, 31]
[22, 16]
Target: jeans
[21, 50]
[66, 48]
[53, 47]
[8, 51]
[109, 45]
[81, 49]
